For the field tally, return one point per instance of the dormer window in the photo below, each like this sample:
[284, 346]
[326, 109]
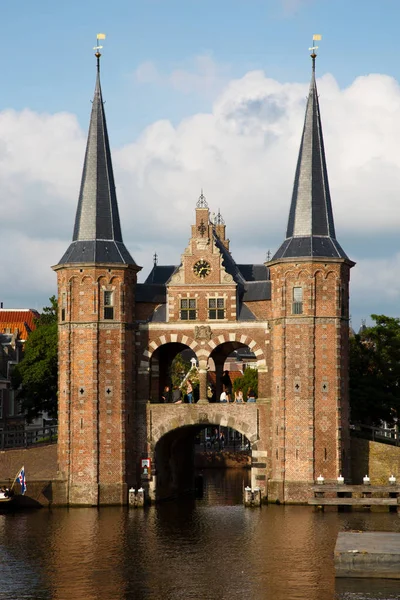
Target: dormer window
[297, 304]
[108, 305]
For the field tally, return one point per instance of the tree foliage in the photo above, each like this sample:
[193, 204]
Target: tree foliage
[35, 377]
[179, 368]
[375, 372]
[249, 380]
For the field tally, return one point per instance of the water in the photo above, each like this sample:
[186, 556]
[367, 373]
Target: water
[209, 549]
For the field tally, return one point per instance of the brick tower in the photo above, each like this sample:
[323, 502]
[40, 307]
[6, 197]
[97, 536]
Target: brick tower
[310, 321]
[96, 290]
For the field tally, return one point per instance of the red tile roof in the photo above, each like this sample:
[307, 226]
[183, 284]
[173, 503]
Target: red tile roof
[21, 319]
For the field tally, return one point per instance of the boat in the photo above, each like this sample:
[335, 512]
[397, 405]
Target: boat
[10, 502]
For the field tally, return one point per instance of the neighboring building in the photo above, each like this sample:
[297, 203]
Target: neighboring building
[291, 313]
[15, 326]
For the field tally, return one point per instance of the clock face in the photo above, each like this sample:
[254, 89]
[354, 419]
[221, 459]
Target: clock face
[202, 268]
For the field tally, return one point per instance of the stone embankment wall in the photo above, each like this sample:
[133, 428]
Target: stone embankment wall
[377, 460]
[40, 470]
[374, 459]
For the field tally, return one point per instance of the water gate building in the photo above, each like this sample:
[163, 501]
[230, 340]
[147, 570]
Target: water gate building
[117, 339]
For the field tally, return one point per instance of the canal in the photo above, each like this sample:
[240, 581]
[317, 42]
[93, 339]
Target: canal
[205, 549]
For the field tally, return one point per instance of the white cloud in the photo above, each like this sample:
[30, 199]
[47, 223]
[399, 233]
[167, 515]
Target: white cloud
[243, 153]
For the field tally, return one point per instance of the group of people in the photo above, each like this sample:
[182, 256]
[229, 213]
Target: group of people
[176, 395]
[226, 394]
[6, 492]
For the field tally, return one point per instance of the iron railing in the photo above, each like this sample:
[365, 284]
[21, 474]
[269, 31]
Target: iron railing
[22, 438]
[385, 435]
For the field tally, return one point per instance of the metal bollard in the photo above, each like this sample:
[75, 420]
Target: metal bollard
[252, 497]
[136, 499]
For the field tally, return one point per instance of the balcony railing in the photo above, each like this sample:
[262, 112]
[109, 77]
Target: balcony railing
[377, 434]
[23, 438]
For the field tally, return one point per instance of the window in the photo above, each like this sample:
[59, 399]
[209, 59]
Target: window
[297, 306]
[11, 403]
[216, 308]
[188, 309]
[343, 303]
[108, 305]
[1, 404]
[63, 305]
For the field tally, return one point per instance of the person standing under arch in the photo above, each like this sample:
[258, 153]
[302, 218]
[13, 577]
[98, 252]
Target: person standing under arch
[189, 391]
[227, 383]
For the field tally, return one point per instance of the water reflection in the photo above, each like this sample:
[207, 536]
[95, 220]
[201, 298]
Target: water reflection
[211, 548]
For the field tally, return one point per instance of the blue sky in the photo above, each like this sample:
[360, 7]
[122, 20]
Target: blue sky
[181, 80]
[46, 49]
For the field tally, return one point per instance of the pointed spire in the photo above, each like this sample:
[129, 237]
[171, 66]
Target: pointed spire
[311, 230]
[97, 233]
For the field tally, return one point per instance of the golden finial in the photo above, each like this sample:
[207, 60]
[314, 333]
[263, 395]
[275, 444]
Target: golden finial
[316, 37]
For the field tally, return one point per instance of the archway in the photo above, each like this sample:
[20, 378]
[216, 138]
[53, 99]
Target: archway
[161, 375]
[177, 453]
[171, 440]
[233, 357]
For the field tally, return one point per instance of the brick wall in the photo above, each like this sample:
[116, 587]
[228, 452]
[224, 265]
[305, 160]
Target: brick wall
[309, 364]
[96, 382]
[374, 459]
[39, 463]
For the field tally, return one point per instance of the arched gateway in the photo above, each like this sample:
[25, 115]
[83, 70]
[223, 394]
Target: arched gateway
[291, 313]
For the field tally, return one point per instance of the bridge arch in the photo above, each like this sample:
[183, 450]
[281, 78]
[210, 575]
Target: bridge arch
[242, 340]
[172, 442]
[245, 421]
[167, 338]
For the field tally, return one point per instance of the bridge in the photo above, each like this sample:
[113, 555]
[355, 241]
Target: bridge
[171, 435]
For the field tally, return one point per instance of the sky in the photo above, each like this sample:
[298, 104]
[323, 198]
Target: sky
[199, 94]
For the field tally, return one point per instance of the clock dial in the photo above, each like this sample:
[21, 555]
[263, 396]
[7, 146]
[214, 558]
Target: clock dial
[202, 268]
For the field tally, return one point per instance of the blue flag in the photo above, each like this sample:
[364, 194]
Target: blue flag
[22, 481]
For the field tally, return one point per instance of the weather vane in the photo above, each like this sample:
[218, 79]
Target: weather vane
[316, 38]
[100, 36]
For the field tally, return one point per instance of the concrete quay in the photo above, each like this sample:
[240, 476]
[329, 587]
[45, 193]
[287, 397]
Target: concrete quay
[372, 554]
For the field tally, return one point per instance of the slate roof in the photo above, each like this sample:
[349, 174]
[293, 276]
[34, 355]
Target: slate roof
[228, 262]
[97, 233]
[156, 293]
[311, 231]
[254, 272]
[256, 290]
[160, 274]
[245, 314]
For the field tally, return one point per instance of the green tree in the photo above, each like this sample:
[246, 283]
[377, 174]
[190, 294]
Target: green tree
[179, 368]
[249, 380]
[375, 372]
[36, 375]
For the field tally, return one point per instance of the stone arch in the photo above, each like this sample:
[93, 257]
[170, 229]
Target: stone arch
[114, 279]
[204, 418]
[318, 272]
[85, 278]
[331, 273]
[168, 338]
[241, 339]
[303, 273]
